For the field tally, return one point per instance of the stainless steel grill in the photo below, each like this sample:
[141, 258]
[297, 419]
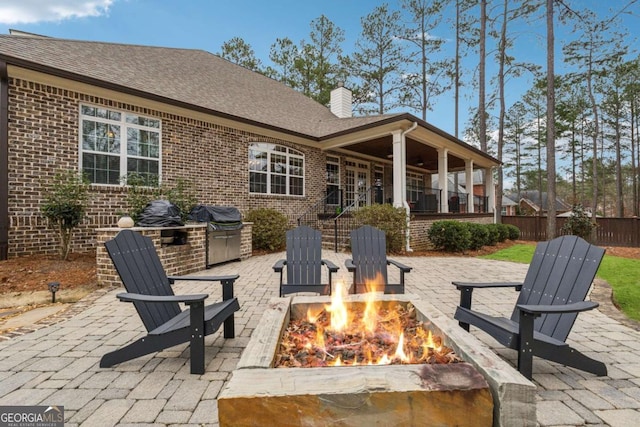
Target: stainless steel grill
[224, 230]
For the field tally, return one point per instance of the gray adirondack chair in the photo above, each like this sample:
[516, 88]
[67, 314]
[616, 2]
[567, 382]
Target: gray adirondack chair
[149, 289]
[551, 296]
[304, 263]
[369, 262]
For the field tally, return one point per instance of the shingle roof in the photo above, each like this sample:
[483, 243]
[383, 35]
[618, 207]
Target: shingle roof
[533, 198]
[188, 77]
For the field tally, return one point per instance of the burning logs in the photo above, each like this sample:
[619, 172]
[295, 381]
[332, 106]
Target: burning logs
[361, 335]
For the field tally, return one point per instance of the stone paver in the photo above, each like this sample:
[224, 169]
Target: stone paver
[55, 362]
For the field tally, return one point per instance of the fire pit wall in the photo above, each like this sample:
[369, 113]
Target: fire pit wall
[483, 391]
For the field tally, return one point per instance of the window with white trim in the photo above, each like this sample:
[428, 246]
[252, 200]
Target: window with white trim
[415, 186]
[116, 144]
[275, 169]
[333, 180]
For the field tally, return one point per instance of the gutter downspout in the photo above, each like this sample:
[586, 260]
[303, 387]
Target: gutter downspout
[4, 162]
[404, 186]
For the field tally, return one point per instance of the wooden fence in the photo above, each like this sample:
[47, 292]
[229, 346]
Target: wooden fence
[609, 231]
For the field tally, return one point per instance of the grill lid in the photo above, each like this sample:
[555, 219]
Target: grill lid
[220, 217]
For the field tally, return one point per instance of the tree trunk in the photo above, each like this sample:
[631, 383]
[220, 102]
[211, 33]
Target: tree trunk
[482, 116]
[551, 131]
[596, 129]
[457, 67]
[634, 172]
[503, 48]
[619, 195]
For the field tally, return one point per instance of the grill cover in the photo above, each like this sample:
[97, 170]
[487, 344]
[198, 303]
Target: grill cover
[219, 217]
[160, 213]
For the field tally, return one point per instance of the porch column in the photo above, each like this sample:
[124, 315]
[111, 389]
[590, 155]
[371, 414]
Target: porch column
[490, 188]
[443, 180]
[468, 178]
[399, 186]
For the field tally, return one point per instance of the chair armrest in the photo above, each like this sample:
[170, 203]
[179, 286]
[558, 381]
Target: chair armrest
[466, 293]
[279, 265]
[575, 307]
[231, 277]
[404, 268]
[349, 264]
[187, 299]
[471, 285]
[226, 282]
[330, 265]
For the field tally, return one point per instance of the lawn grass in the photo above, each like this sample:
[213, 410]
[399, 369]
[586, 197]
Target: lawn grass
[623, 274]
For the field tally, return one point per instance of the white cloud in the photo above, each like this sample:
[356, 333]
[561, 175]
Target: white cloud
[34, 11]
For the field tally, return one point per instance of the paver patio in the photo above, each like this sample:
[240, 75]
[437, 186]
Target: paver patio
[57, 364]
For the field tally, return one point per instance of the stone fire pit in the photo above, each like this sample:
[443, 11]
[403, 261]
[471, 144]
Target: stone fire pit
[484, 390]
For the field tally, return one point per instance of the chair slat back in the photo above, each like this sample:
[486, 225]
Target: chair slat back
[561, 272]
[304, 256]
[139, 267]
[369, 254]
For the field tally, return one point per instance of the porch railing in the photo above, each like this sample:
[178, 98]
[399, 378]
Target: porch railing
[330, 205]
[420, 200]
[343, 223]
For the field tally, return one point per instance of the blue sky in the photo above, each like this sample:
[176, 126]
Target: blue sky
[206, 24]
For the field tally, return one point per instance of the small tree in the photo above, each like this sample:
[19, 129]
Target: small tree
[579, 223]
[183, 196]
[64, 206]
[144, 189]
[141, 190]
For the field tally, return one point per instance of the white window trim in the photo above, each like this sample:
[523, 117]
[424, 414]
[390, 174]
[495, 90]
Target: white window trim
[290, 153]
[123, 139]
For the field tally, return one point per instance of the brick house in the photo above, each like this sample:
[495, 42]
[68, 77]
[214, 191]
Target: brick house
[241, 138]
[532, 202]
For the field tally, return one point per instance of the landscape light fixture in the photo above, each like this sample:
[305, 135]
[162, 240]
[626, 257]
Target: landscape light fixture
[53, 288]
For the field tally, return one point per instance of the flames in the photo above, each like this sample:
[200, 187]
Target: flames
[348, 335]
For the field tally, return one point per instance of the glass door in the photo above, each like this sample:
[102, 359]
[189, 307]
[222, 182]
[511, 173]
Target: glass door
[356, 183]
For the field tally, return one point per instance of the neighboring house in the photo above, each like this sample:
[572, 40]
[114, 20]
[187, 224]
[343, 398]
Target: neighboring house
[241, 138]
[530, 203]
[508, 206]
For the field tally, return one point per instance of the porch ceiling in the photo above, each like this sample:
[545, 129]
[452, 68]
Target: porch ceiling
[416, 153]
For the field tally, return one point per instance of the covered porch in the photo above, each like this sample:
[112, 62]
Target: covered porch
[410, 164]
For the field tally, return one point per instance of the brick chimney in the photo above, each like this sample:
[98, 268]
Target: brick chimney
[340, 101]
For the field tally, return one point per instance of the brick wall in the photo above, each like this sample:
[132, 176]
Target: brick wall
[177, 260]
[44, 138]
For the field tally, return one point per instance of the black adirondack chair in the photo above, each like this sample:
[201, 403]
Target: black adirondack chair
[369, 262]
[551, 296]
[149, 289]
[304, 263]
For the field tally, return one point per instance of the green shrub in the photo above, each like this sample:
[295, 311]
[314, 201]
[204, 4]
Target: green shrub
[393, 221]
[579, 223]
[143, 189]
[479, 235]
[494, 234]
[503, 232]
[183, 196]
[514, 232]
[269, 229]
[64, 206]
[450, 236]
